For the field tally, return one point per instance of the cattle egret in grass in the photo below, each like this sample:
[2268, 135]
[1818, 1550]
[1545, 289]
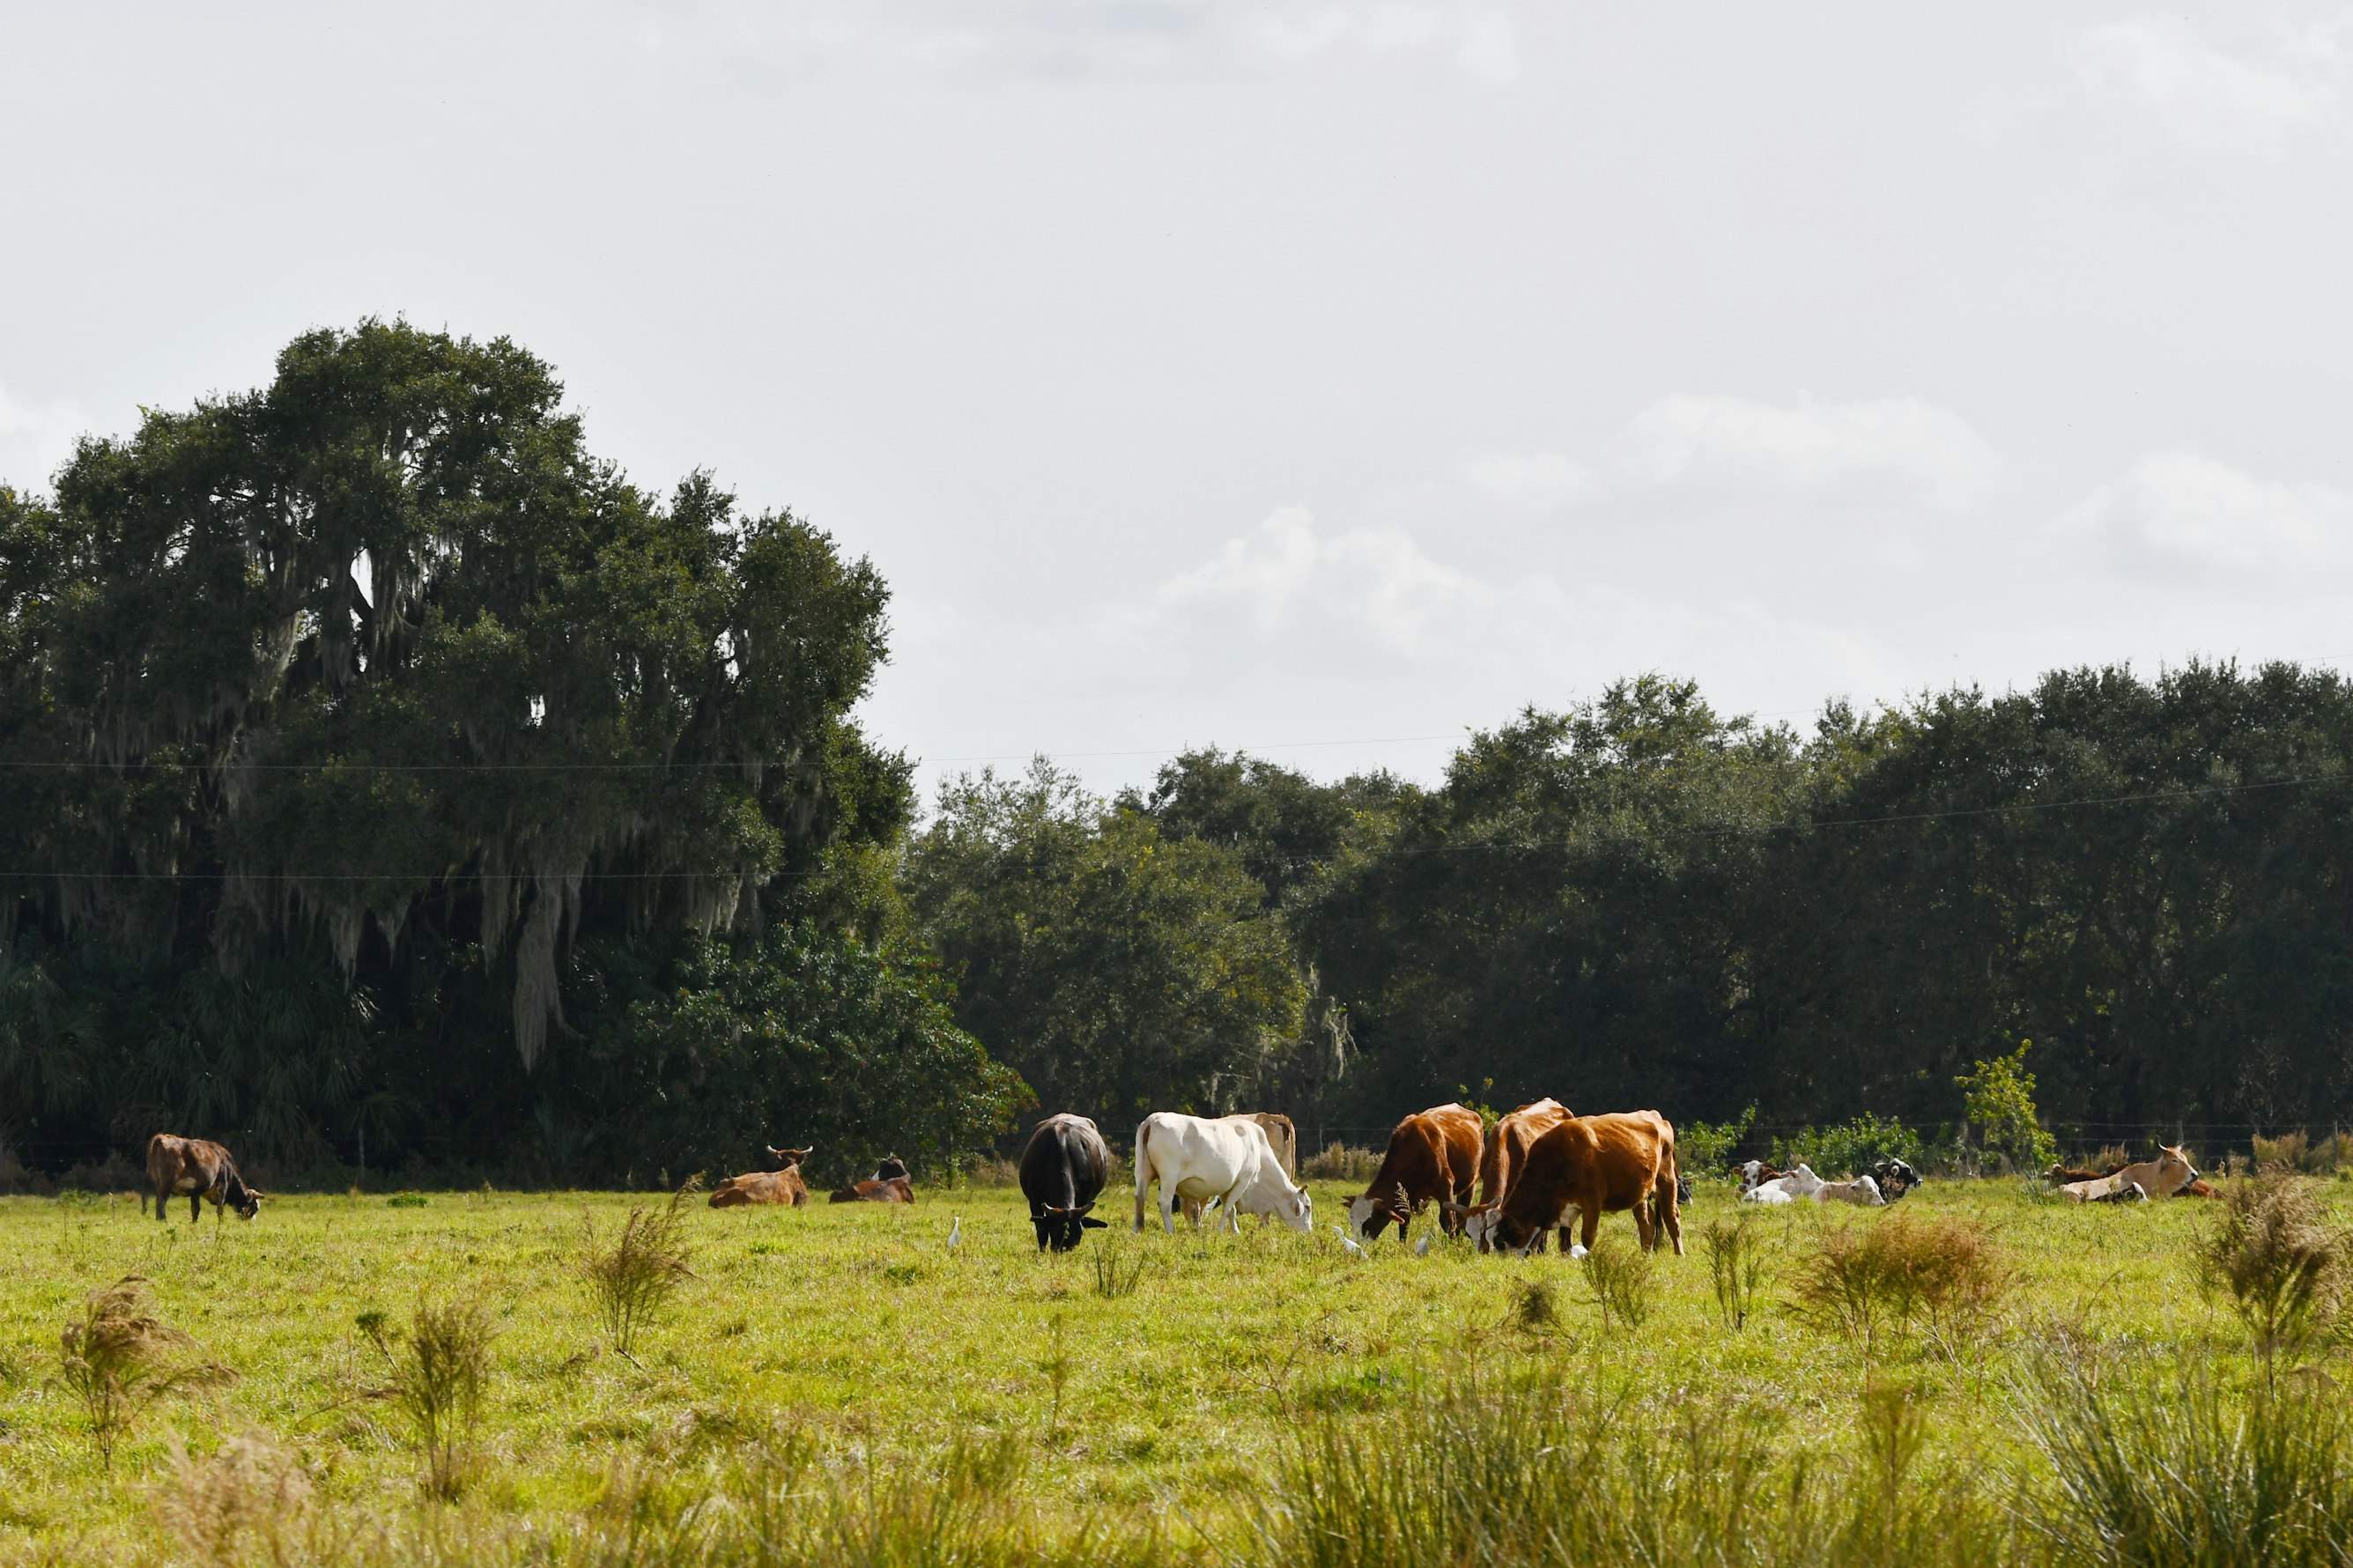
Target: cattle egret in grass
[1348, 1241]
[1574, 1252]
[955, 1232]
[1421, 1247]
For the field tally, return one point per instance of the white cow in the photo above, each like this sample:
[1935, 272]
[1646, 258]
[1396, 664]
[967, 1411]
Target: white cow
[1801, 1183]
[1230, 1160]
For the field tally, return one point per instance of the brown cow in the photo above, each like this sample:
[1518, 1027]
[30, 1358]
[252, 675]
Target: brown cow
[1279, 1132]
[1499, 1163]
[1433, 1157]
[1598, 1164]
[200, 1168]
[888, 1184]
[782, 1186]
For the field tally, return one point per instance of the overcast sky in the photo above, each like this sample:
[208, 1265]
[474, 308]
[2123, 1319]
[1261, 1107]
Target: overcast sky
[1267, 374]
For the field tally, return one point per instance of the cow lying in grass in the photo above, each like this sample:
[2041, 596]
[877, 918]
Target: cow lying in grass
[2159, 1178]
[2061, 1175]
[782, 1186]
[888, 1184]
[200, 1168]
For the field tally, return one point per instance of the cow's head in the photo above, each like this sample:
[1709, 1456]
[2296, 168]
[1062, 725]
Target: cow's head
[787, 1159]
[1062, 1228]
[2174, 1171]
[1507, 1234]
[1896, 1177]
[1297, 1210]
[1478, 1222]
[1367, 1214]
[242, 1199]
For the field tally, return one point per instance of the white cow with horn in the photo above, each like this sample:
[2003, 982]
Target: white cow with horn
[1230, 1160]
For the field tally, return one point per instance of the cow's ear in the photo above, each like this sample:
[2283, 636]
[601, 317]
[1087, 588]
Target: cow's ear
[1087, 1222]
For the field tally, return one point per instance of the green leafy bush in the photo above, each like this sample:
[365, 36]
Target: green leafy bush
[1835, 1151]
[1998, 1099]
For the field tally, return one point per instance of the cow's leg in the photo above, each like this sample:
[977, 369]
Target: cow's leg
[196, 1207]
[1169, 1207]
[1588, 1226]
[1646, 1229]
[1670, 1212]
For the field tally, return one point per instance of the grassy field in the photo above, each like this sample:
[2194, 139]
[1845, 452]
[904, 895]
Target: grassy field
[845, 1361]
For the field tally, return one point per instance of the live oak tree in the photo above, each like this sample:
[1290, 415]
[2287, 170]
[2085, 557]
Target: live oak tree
[338, 718]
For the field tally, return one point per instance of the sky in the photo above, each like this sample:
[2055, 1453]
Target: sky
[1324, 380]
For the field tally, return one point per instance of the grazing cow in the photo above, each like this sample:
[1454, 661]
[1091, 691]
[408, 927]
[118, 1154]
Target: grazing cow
[1433, 1157]
[1279, 1132]
[1896, 1177]
[782, 1186]
[2161, 1177]
[1507, 1148]
[1230, 1160]
[200, 1168]
[1063, 1171]
[1598, 1164]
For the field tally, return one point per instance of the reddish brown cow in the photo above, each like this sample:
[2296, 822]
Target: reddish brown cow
[1598, 1164]
[888, 1184]
[200, 1168]
[782, 1186]
[1433, 1157]
[1499, 1163]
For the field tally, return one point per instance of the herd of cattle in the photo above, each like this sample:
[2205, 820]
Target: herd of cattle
[1537, 1167]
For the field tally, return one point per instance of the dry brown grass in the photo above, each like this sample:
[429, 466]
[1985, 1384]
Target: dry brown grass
[1341, 1162]
[1896, 1273]
[249, 1502]
[120, 1358]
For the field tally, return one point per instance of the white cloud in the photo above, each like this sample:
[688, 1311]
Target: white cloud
[1888, 450]
[2181, 512]
[1533, 482]
[34, 439]
[1124, 39]
[1374, 586]
[2199, 92]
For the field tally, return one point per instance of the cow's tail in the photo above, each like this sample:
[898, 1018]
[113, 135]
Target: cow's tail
[1142, 1166]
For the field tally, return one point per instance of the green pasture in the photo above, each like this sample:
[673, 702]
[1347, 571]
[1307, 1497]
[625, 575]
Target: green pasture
[855, 1327]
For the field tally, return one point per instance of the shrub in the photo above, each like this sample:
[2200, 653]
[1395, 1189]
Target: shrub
[1735, 1268]
[2282, 1267]
[634, 1277]
[120, 1358]
[1624, 1282]
[1842, 1151]
[1999, 1100]
[1702, 1147]
[1533, 1308]
[438, 1375]
[1894, 1272]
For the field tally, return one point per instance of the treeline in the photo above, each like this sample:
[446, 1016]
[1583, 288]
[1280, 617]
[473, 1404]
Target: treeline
[1641, 901]
[383, 777]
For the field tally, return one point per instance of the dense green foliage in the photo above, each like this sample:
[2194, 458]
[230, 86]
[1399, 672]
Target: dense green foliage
[349, 726]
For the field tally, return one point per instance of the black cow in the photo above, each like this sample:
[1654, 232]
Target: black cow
[1896, 1177]
[1062, 1175]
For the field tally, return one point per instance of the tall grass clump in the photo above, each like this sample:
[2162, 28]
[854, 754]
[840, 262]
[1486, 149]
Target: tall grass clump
[1111, 1279]
[1487, 1472]
[632, 1278]
[438, 1370]
[2131, 1471]
[1735, 1268]
[2273, 1255]
[251, 1502]
[1896, 1273]
[1623, 1281]
[119, 1358]
[1341, 1162]
[2296, 1152]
